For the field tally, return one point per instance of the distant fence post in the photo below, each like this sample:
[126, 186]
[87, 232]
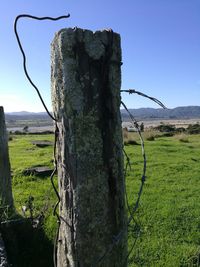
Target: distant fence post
[86, 80]
[6, 198]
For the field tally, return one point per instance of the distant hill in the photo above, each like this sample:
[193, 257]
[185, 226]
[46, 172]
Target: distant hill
[188, 112]
[24, 115]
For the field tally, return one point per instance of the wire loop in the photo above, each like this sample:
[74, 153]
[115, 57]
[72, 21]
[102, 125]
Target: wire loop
[24, 55]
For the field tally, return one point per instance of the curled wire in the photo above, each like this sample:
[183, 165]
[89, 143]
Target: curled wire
[55, 213]
[135, 123]
[24, 55]
[143, 178]
[144, 164]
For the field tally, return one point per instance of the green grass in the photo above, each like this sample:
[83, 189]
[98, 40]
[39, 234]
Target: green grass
[169, 210]
[23, 155]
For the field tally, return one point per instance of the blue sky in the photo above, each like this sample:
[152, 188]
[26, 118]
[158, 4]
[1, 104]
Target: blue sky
[160, 46]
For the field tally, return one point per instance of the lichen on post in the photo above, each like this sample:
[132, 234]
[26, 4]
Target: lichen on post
[86, 81]
[6, 198]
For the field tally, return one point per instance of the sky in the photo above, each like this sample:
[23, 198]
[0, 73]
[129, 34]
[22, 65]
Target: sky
[160, 42]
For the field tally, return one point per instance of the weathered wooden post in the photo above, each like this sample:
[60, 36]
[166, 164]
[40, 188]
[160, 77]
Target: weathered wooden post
[86, 80]
[6, 198]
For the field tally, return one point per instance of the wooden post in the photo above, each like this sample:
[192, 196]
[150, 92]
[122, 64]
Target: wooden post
[6, 198]
[86, 80]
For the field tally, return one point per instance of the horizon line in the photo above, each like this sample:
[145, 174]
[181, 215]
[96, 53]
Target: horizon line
[27, 111]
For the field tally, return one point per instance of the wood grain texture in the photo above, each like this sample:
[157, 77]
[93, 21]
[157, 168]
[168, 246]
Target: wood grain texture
[86, 81]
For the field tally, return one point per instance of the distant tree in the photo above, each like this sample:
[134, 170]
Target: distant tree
[193, 128]
[165, 128]
[180, 130]
[25, 129]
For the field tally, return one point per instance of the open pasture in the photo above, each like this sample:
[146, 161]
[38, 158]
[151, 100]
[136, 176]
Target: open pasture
[167, 223]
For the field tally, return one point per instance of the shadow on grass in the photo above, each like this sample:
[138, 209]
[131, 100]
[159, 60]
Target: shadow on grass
[27, 246]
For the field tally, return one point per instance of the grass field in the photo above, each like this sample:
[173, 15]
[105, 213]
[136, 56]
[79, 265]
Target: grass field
[23, 155]
[169, 210]
[28, 246]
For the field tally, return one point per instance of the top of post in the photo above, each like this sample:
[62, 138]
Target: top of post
[95, 42]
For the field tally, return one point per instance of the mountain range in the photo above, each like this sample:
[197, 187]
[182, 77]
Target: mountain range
[187, 112]
[25, 115]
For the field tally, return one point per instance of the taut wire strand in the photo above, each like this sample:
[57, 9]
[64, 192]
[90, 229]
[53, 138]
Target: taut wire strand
[133, 91]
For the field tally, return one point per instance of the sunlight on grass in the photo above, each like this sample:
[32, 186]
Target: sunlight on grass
[170, 204]
[169, 208]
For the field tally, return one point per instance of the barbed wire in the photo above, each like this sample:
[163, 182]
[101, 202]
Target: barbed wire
[133, 91]
[117, 238]
[134, 121]
[143, 176]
